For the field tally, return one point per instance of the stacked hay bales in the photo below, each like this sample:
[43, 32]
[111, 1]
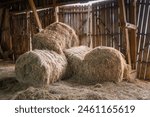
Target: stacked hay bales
[40, 67]
[57, 36]
[75, 56]
[97, 65]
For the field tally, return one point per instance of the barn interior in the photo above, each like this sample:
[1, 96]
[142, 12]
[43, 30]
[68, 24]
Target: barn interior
[44, 32]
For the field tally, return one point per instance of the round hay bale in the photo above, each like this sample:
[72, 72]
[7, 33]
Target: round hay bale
[57, 37]
[34, 94]
[40, 67]
[75, 56]
[102, 64]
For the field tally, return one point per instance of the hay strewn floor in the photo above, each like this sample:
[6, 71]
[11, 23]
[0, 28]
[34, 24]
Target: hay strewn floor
[69, 89]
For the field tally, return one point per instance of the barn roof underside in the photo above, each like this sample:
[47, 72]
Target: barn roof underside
[43, 2]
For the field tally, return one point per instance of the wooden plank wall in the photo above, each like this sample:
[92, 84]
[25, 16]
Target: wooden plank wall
[5, 36]
[24, 27]
[143, 37]
[102, 26]
[106, 29]
[77, 17]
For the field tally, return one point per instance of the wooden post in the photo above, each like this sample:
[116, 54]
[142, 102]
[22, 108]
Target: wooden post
[28, 30]
[1, 51]
[132, 36]
[32, 5]
[125, 30]
[56, 14]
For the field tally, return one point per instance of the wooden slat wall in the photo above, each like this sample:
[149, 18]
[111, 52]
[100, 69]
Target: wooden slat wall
[143, 55]
[77, 17]
[24, 27]
[107, 31]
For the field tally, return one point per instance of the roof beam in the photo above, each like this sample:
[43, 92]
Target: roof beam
[32, 5]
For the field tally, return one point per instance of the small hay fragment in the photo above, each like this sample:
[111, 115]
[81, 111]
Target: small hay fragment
[98, 85]
[34, 94]
[103, 64]
[40, 67]
[75, 56]
[57, 37]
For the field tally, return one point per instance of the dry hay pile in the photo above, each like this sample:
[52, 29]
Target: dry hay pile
[103, 64]
[57, 37]
[75, 56]
[34, 94]
[40, 67]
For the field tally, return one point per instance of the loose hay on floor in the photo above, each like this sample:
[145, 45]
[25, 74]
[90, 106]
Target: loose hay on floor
[40, 67]
[57, 36]
[103, 64]
[34, 94]
[75, 56]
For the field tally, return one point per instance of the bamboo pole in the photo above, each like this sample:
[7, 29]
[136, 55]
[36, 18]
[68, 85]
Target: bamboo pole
[32, 5]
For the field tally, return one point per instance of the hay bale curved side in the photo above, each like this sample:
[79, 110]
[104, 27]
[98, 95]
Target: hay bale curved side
[102, 64]
[40, 67]
[57, 36]
[75, 56]
[45, 42]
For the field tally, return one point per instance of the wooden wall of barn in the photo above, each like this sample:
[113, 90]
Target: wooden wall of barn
[24, 27]
[98, 22]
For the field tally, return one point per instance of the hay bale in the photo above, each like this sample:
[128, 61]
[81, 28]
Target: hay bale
[103, 64]
[34, 94]
[40, 67]
[75, 56]
[57, 37]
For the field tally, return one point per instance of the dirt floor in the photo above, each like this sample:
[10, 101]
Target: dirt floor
[70, 89]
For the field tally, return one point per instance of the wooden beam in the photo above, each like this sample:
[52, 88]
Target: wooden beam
[9, 2]
[131, 26]
[56, 14]
[124, 29]
[1, 51]
[32, 5]
[133, 36]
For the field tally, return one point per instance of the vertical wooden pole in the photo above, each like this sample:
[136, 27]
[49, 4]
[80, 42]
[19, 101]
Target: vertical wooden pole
[125, 30]
[56, 14]
[93, 26]
[28, 30]
[32, 5]
[132, 36]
